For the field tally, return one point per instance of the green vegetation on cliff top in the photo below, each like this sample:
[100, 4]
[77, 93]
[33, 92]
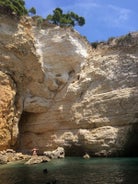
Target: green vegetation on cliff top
[68, 19]
[13, 7]
[17, 8]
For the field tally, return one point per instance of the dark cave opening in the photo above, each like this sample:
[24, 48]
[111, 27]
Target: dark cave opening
[131, 146]
[21, 126]
[22, 121]
[74, 150]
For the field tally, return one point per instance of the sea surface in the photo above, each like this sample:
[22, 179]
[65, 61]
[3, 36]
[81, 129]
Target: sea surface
[73, 171]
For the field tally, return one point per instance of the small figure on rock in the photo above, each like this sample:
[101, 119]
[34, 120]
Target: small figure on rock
[34, 150]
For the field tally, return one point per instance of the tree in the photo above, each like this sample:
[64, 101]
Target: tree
[61, 19]
[13, 7]
[32, 11]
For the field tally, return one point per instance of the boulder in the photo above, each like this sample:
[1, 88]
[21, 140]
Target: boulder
[3, 159]
[10, 151]
[37, 160]
[86, 156]
[58, 153]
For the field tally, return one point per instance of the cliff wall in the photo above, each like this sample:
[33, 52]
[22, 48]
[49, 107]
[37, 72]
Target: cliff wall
[58, 91]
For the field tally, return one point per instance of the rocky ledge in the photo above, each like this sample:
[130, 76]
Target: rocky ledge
[10, 155]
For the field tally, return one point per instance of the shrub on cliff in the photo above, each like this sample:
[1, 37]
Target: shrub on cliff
[32, 11]
[124, 40]
[94, 44]
[13, 7]
[61, 19]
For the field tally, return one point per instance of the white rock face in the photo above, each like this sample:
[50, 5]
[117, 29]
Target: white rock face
[68, 94]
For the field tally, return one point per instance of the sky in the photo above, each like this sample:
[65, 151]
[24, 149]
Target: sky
[103, 18]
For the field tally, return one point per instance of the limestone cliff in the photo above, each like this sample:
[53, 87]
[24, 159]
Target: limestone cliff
[58, 91]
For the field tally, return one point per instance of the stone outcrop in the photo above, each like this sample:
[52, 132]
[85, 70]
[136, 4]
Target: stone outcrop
[58, 153]
[37, 160]
[10, 155]
[58, 91]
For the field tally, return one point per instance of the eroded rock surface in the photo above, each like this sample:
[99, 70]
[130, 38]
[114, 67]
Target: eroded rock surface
[58, 153]
[10, 155]
[68, 94]
[8, 124]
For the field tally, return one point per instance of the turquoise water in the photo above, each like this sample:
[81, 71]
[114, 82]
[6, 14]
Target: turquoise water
[73, 171]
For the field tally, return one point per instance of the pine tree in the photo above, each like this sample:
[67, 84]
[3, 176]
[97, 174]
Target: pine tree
[32, 11]
[69, 19]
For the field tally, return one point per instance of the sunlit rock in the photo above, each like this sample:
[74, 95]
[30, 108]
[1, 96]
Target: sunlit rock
[56, 90]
